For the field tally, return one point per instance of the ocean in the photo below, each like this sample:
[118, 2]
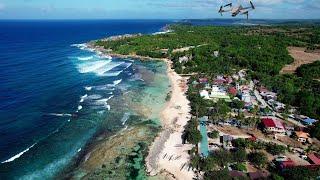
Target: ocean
[57, 95]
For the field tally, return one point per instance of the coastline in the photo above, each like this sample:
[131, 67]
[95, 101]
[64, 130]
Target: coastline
[101, 50]
[122, 154]
[167, 155]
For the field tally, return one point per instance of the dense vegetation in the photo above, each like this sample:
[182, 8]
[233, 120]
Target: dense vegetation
[191, 133]
[309, 71]
[301, 173]
[262, 50]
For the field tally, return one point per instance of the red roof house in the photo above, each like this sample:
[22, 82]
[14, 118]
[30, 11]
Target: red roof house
[273, 125]
[233, 91]
[287, 164]
[314, 158]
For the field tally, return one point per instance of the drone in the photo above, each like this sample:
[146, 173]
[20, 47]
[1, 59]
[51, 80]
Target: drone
[236, 10]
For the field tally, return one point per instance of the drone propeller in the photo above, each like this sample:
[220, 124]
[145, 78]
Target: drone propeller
[230, 4]
[220, 10]
[252, 6]
[246, 13]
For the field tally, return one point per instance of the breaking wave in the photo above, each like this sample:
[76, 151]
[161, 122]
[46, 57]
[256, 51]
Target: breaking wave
[18, 155]
[86, 58]
[60, 115]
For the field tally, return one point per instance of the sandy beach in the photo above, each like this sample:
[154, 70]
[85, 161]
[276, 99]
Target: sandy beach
[167, 155]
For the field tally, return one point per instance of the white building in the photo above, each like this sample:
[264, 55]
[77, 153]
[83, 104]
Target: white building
[183, 59]
[216, 53]
[204, 94]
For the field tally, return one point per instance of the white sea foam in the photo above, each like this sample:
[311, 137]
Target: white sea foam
[112, 74]
[128, 65]
[117, 82]
[102, 70]
[92, 66]
[102, 101]
[104, 56]
[60, 115]
[83, 97]
[80, 46]
[88, 88]
[108, 107]
[106, 87]
[86, 58]
[79, 108]
[101, 112]
[125, 118]
[94, 97]
[19, 154]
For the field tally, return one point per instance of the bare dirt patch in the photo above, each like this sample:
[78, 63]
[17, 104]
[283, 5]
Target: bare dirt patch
[300, 57]
[292, 142]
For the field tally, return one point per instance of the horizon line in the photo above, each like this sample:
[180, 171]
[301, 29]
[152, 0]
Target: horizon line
[37, 19]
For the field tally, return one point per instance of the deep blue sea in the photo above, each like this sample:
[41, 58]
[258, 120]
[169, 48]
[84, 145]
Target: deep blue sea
[52, 90]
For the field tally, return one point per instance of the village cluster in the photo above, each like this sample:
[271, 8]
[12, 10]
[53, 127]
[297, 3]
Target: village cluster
[273, 123]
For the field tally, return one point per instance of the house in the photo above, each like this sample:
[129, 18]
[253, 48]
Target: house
[207, 86]
[278, 106]
[235, 77]
[314, 158]
[215, 53]
[258, 175]
[242, 74]
[269, 95]
[229, 80]
[308, 121]
[220, 80]
[204, 94]
[272, 125]
[227, 141]
[203, 80]
[289, 130]
[286, 164]
[195, 83]
[183, 59]
[233, 91]
[263, 89]
[246, 98]
[302, 136]
[219, 93]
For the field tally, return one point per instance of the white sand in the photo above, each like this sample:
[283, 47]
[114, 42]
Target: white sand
[168, 155]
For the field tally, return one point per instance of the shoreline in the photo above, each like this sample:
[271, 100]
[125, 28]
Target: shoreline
[167, 156]
[101, 50]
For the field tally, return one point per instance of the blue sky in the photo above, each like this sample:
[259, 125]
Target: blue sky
[151, 9]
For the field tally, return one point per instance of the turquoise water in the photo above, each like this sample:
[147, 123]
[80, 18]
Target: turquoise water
[204, 145]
